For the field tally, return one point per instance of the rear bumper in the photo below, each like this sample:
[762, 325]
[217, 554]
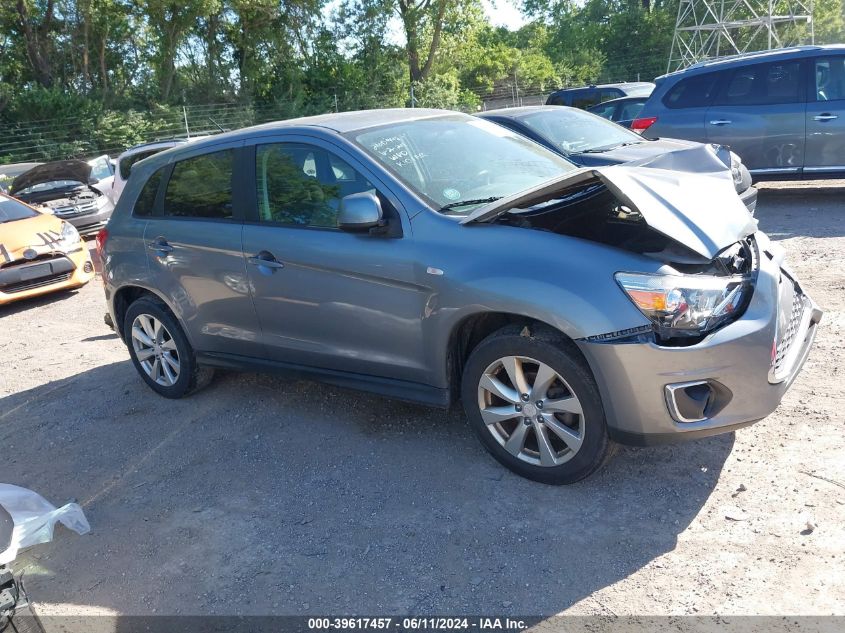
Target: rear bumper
[639, 382]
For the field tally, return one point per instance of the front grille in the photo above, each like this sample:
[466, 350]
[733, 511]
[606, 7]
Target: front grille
[79, 209]
[29, 284]
[43, 257]
[788, 335]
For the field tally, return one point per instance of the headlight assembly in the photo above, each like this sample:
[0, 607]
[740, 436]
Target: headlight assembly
[69, 238]
[685, 305]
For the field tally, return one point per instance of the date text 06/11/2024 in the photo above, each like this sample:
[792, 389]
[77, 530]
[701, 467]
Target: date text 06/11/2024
[417, 623]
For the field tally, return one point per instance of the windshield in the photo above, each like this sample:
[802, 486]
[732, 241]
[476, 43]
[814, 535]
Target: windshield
[578, 131]
[11, 210]
[459, 162]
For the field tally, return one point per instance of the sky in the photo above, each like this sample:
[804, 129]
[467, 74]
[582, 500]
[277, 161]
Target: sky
[500, 12]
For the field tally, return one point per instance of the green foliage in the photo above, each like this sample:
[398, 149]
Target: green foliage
[81, 77]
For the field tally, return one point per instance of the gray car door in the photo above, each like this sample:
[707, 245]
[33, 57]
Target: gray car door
[826, 116]
[328, 298]
[195, 257]
[759, 113]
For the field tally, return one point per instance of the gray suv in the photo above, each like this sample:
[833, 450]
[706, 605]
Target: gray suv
[782, 111]
[433, 256]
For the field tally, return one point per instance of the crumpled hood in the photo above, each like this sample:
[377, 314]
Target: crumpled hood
[700, 211]
[77, 170]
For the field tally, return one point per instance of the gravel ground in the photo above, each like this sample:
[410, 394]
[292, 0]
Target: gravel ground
[264, 495]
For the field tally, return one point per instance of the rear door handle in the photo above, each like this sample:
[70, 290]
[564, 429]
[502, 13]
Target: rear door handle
[720, 122]
[825, 117]
[265, 259]
[160, 246]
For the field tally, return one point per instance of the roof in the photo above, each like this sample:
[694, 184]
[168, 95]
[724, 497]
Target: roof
[340, 122]
[624, 84]
[755, 56]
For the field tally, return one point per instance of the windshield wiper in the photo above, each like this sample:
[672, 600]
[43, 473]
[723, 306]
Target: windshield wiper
[464, 203]
[599, 150]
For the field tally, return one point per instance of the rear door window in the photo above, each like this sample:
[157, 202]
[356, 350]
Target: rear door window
[829, 79]
[693, 92]
[201, 187]
[763, 84]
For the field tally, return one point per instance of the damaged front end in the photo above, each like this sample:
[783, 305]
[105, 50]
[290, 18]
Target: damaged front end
[694, 224]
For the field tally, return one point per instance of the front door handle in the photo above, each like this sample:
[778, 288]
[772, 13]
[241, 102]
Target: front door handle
[720, 122]
[826, 116]
[160, 246]
[265, 259]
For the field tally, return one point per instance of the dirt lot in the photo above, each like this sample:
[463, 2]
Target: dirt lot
[265, 495]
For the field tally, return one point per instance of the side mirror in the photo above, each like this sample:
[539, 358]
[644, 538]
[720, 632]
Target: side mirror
[359, 212]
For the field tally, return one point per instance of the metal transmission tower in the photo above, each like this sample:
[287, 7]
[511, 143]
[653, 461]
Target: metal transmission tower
[715, 28]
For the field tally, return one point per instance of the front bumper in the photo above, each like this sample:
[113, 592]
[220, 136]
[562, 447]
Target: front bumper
[748, 374]
[59, 272]
[749, 199]
[91, 222]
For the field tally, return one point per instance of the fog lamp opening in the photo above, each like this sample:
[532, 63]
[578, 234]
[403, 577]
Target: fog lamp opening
[697, 400]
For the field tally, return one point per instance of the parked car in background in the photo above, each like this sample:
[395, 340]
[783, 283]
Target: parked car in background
[68, 189]
[586, 96]
[782, 111]
[9, 172]
[621, 111]
[590, 141]
[39, 253]
[431, 256]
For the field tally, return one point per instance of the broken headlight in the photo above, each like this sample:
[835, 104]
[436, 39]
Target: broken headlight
[686, 305]
[69, 237]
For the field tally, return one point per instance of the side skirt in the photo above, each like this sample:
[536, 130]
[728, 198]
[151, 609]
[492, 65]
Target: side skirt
[389, 387]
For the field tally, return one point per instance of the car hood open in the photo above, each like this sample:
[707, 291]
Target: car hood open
[77, 170]
[700, 211]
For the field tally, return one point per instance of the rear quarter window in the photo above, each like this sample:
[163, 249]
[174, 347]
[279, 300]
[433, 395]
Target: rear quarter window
[692, 92]
[145, 204]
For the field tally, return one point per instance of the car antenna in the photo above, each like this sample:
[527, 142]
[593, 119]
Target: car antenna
[219, 127]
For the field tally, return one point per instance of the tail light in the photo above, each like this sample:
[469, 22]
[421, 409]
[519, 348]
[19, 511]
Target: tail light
[642, 124]
[102, 236]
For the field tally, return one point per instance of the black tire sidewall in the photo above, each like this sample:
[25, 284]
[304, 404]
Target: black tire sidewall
[595, 447]
[187, 361]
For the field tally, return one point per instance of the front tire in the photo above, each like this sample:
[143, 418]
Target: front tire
[160, 350]
[535, 406]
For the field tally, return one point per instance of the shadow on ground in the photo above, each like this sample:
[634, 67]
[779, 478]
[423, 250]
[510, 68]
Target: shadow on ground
[263, 495]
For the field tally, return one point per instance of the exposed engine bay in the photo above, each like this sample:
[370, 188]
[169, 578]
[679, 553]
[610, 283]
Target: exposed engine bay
[71, 201]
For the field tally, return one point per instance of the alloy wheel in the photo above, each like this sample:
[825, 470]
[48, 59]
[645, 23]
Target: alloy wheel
[531, 411]
[155, 350]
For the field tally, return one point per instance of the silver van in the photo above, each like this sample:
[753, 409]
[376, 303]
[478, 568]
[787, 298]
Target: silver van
[782, 111]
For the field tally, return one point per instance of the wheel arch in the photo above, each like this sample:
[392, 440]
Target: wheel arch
[125, 296]
[469, 331]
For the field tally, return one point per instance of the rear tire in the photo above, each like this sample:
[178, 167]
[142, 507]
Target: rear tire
[535, 406]
[160, 350]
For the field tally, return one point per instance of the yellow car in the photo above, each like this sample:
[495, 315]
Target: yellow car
[39, 253]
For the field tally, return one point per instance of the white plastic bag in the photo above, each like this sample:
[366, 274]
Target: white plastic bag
[34, 518]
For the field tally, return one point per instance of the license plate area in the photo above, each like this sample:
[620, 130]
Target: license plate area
[34, 272]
